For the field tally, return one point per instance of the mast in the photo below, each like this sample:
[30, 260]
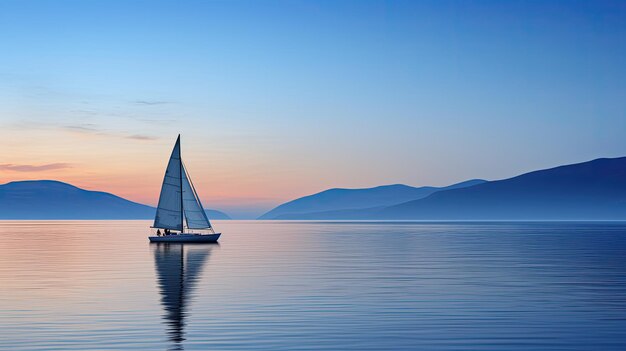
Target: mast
[180, 167]
[169, 210]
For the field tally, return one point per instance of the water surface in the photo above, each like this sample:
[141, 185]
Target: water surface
[99, 285]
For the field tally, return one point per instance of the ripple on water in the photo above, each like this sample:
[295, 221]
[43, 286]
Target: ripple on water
[80, 285]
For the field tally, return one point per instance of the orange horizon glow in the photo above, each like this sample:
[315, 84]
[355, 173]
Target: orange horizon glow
[134, 168]
[228, 170]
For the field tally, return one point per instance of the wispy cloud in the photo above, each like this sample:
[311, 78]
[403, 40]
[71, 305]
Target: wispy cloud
[33, 168]
[83, 128]
[92, 129]
[141, 137]
[151, 102]
[155, 120]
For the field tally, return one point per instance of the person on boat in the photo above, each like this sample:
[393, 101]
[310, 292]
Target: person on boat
[158, 232]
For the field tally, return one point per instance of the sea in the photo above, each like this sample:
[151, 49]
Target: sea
[315, 285]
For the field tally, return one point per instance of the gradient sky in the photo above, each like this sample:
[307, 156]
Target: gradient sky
[279, 99]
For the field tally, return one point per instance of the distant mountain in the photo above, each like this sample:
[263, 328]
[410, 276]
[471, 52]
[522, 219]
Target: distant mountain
[589, 190]
[594, 190]
[48, 199]
[341, 199]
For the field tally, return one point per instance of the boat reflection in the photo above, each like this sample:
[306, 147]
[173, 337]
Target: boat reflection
[178, 268]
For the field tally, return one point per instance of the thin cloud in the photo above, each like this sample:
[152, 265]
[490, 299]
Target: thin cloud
[151, 102]
[33, 168]
[83, 128]
[155, 121]
[93, 129]
[86, 129]
[141, 137]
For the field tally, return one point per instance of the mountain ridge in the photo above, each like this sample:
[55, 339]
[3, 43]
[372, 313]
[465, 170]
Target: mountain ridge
[593, 190]
[361, 198]
[53, 199]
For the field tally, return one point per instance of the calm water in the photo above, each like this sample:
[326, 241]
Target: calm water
[81, 285]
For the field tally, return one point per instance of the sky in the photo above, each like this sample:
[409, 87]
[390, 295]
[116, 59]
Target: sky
[280, 99]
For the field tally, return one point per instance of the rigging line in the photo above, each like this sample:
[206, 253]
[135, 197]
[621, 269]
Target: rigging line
[195, 194]
[180, 170]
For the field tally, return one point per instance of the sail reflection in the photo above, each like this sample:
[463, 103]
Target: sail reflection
[178, 268]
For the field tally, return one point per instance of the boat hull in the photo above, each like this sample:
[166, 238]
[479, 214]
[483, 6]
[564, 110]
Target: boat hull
[186, 238]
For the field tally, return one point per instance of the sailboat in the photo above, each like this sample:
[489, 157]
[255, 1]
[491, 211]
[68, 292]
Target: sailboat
[180, 217]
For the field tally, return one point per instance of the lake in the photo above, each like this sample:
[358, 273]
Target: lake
[99, 285]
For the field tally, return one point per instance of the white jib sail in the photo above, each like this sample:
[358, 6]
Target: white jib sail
[194, 213]
[169, 212]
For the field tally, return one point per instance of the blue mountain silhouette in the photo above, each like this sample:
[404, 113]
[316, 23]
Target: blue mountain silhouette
[341, 199]
[594, 190]
[49, 199]
[588, 190]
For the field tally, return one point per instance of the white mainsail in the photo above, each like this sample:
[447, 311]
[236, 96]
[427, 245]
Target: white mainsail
[194, 212]
[179, 198]
[169, 212]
